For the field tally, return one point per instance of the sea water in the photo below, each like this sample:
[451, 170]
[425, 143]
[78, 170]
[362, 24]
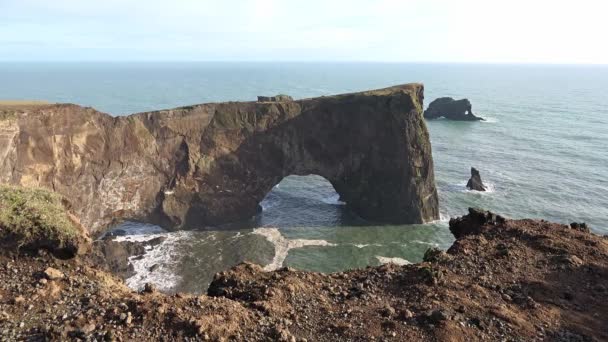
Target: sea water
[543, 152]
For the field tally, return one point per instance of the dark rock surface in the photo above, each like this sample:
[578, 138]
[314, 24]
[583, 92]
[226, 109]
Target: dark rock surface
[214, 163]
[475, 182]
[277, 98]
[501, 280]
[451, 109]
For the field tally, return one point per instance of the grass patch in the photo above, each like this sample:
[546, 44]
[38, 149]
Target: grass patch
[37, 219]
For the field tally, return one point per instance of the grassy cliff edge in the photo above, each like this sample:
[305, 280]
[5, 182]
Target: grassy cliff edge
[34, 218]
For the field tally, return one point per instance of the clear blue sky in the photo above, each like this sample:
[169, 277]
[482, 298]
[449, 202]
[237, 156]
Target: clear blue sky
[530, 31]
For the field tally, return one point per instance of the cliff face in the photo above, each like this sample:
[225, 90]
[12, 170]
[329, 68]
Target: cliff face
[214, 163]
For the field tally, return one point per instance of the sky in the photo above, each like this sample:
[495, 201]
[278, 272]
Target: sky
[471, 31]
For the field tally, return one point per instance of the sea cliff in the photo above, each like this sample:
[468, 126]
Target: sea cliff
[213, 163]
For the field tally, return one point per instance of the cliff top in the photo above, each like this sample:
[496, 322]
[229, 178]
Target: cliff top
[18, 104]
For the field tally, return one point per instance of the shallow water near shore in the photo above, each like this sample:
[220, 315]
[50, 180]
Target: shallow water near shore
[543, 151]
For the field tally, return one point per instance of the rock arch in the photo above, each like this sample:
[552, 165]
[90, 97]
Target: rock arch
[373, 147]
[214, 163]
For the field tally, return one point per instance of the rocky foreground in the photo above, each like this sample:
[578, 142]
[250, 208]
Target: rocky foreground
[502, 280]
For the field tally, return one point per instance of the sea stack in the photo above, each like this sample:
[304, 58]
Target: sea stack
[210, 164]
[475, 182]
[447, 107]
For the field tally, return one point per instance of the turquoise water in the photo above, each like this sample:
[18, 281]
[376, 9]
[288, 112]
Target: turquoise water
[543, 151]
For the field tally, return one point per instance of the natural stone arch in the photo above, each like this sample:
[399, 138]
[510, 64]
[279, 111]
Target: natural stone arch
[213, 163]
[373, 147]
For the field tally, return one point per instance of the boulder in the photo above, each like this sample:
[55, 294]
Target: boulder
[475, 182]
[451, 109]
[53, 274]
[214, 163]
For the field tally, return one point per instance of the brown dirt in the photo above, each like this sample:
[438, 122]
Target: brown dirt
[502, 280]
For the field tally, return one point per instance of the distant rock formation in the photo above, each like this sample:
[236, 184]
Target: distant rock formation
[213, 163]
[451, 109]
[475, 182]
[277, 98]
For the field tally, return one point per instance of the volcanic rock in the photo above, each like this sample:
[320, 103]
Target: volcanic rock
[53, 274]
[551, 286]
[277, 98]
[475, 182]
[451, 109]
[214, 163]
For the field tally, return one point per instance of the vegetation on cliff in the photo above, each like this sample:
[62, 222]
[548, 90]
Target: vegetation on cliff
[37, 218]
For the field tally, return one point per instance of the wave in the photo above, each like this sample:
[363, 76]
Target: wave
[396, 261]
[489, 120]
[158, 264]
[363, 245]
[282, 245]
[333, 199]
[432, 244]
[443, 219]
[129, 228]
[462, 187]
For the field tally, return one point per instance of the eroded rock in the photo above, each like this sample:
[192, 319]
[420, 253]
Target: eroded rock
[447, 107]
[53, 273]
[475, 182]
[214, 163]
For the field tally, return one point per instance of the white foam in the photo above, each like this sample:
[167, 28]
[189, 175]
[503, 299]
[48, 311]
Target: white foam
[137, 228]
[490, 188]
[164, 256]
[282, 245]
[333, 199]
[363, 245]
[433, 244]
[462, 187]
[443, 218]
[489, 120]
[396, 261]
[268, 203]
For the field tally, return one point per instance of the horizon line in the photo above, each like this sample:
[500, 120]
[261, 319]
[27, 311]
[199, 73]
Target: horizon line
[306, 61]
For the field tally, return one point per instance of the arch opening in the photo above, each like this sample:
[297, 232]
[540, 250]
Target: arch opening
[304, 201]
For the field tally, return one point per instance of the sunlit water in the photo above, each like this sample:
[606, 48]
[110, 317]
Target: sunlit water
[543, 151]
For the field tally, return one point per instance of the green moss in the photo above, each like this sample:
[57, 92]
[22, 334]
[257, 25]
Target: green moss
[36, 218]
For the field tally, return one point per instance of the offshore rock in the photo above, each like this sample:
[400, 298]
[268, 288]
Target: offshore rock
[214, 163]
[475, 182]
[451, 109]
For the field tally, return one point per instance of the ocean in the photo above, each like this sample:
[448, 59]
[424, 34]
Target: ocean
[543, 151]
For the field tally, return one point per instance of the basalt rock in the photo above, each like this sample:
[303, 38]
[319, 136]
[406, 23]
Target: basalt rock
[277, 98]
[214, 163]
[475, 182]
[451, 109]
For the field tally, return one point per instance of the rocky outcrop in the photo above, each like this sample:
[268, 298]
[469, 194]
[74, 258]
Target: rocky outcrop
[475, 182]
[214, 163]
[511, 280]
[277, 98]
[451, 109]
